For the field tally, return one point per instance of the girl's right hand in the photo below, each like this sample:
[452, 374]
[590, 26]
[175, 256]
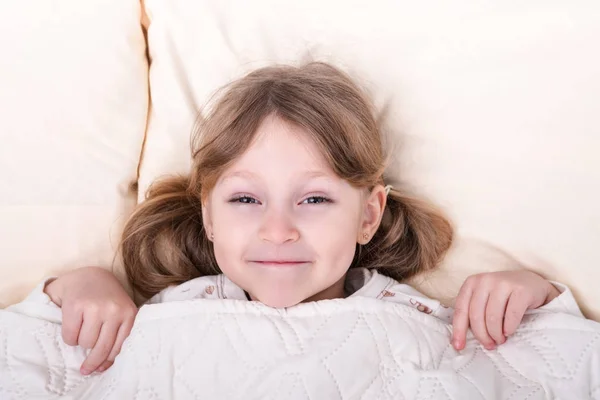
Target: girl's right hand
[98, 314]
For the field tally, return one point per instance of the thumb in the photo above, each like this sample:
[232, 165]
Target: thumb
[52, 288]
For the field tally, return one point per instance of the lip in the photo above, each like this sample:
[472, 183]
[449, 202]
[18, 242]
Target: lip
[279, 263]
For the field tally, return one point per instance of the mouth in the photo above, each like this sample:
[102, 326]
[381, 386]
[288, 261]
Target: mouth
[279, 263]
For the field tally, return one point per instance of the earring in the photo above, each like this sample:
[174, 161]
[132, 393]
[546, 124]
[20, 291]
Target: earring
[365, 236]
[212, 236]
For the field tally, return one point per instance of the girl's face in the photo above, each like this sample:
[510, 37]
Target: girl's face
[285, 225]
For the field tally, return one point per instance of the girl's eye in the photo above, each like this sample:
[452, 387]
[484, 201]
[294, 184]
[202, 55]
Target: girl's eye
[317, 200]
[244, 200]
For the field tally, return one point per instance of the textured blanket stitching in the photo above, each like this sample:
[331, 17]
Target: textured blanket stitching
[379, 352]
[549, 364]
[300, 344]
[20, 389]
[499, 354]
[325, 322]
[446, 390]
[276, 326]
[50, 378]
[112, 385]
[390, 348]
[535, 390]
[419, 352]
[146, 394]
[430, 387]
[190, 355]
[292, 387]
[234, 346]
[468, 379]
[63, 372]
[337, 384]
[494, 362]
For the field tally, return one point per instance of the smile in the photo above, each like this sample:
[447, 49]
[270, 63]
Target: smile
[279, 263]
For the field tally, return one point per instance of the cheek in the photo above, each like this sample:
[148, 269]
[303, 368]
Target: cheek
[333, 236]
[336, 246]
[234, 222]
[235, 230]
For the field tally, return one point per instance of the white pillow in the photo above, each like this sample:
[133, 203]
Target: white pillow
[493, 106]
[73, 101]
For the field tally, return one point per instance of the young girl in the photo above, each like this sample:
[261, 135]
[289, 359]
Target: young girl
[286, 203]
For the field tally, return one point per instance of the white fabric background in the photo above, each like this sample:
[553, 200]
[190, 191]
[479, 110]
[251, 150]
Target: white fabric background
[73, 110]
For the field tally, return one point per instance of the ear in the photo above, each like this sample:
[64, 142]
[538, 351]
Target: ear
[374, 207]
[207, 220]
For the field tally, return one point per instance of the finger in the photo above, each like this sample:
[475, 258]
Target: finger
[101, 350]
[122, 334]
[477, 318]
[105, 365]
[460, 321]
[494, 315]
[515, 309]
[71, 325]
[89, 333]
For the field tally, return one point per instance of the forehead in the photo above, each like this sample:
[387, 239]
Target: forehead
[281, 148]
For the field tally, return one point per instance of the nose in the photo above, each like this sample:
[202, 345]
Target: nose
[278, 227]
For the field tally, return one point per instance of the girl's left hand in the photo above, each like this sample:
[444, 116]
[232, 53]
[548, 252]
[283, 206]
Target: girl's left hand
[493, 304]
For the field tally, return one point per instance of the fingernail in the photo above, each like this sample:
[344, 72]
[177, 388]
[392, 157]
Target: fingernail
[490, 347]
[85, 371]
[101, 369]
[456, 343]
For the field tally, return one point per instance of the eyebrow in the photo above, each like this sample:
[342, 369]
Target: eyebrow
[240, 174]
[244, 174]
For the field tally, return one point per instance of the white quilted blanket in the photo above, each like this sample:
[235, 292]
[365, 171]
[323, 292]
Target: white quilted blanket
[356, 348]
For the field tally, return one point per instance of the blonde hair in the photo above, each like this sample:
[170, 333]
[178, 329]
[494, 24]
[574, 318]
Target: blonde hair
[164, 242]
